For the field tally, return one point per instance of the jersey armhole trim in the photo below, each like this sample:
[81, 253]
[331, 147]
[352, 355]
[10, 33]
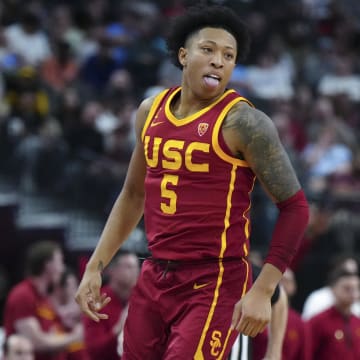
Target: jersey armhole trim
[216, 133]
[154, 107]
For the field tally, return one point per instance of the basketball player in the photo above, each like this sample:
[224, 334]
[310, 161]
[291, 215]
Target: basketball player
[200, 148]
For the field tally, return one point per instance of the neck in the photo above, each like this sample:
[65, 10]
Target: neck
[345, 310]
[188, 103]
[40, 284]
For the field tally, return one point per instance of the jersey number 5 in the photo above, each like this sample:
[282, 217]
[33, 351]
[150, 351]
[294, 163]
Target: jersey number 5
[169, 206]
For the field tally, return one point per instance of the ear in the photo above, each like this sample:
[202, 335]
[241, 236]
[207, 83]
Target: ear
[182, 56]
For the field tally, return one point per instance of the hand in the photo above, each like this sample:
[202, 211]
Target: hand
[252, 312]
[88, 296]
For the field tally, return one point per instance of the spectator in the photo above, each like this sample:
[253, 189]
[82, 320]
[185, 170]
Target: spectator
[60, 70]
[342, 81]
[98, 68]
[28, 309]
[335, 331]
[27, 39]
[296, 345]
[101, 338]
[18, 347]
[269, 343]
[63, 299]
[323, 298]
[326, 155]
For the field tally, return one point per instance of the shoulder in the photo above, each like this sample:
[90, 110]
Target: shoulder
[249, 120]
[146, 104]
[20, 290]
[16, 297]
[248, 129]
[323, 316]
[143, 112]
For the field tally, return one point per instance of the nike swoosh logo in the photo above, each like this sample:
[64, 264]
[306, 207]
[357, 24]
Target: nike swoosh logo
[156, 123]
[199, 286]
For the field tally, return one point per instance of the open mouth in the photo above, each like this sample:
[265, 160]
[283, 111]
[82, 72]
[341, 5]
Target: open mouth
[212, 80]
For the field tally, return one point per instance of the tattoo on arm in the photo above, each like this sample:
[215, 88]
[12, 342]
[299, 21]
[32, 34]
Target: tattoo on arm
[259, 144]
[100, 266]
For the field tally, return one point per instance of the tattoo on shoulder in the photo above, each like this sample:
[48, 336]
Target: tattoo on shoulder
[259, 144]
[100, 266]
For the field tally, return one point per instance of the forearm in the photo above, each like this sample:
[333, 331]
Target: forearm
[43, 341]
[125, 215]
[268, 279]
[277, 327]
[54, 342]
[289, 230]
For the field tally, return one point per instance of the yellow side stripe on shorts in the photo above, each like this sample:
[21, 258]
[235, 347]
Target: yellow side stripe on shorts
[199, 354]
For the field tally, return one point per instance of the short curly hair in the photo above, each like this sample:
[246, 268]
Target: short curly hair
[198, 17]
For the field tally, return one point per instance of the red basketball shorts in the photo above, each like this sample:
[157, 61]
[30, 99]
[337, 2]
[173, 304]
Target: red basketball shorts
[184, 311]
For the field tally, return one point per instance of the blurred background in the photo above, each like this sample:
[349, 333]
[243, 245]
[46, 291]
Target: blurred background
[73, 72]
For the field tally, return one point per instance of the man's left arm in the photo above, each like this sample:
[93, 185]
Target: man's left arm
[255, 139]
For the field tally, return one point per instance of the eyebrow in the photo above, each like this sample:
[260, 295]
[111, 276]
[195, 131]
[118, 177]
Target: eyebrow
[215, 43]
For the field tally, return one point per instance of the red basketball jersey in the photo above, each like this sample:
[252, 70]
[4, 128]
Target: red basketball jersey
[197, 193]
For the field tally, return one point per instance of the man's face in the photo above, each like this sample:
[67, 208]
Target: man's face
[126, 271]
[55, 267]
[208, 60]
[347, 290]
[20, 348]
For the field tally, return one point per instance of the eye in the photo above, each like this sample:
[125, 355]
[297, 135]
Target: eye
[229, 56]
[206, 49]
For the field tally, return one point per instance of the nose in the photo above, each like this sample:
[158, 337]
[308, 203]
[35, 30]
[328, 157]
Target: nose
[217, 60]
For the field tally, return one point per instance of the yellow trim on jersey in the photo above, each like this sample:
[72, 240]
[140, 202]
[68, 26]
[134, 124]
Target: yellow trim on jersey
[153, 108]
[199, 354]
[246, 277]
[188, 119]
[247, 219]
[215, 135]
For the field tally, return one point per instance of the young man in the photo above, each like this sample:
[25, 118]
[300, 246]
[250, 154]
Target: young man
[335, 332]
[28, 309]
[199, 149]
[102, 338]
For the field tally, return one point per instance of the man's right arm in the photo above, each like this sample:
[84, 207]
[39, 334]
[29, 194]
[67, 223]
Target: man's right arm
[125, 215]
[44, 341]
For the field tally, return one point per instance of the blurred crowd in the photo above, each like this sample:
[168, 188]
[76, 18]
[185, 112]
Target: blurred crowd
[73, 72]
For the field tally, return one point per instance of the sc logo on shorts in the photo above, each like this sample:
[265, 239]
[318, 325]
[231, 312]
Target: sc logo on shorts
[215, 343]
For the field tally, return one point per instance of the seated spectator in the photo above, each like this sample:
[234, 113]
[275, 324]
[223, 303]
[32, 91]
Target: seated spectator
[345, 187]
[325, 156]
[18, 347]
[60, 70]
[335, 332]
[323, 298]
[271, 77]
[342, 80]
[27, 39]
[28, 309]
[63, 299]
[98, 68]
[101, 337]
[296, 345]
